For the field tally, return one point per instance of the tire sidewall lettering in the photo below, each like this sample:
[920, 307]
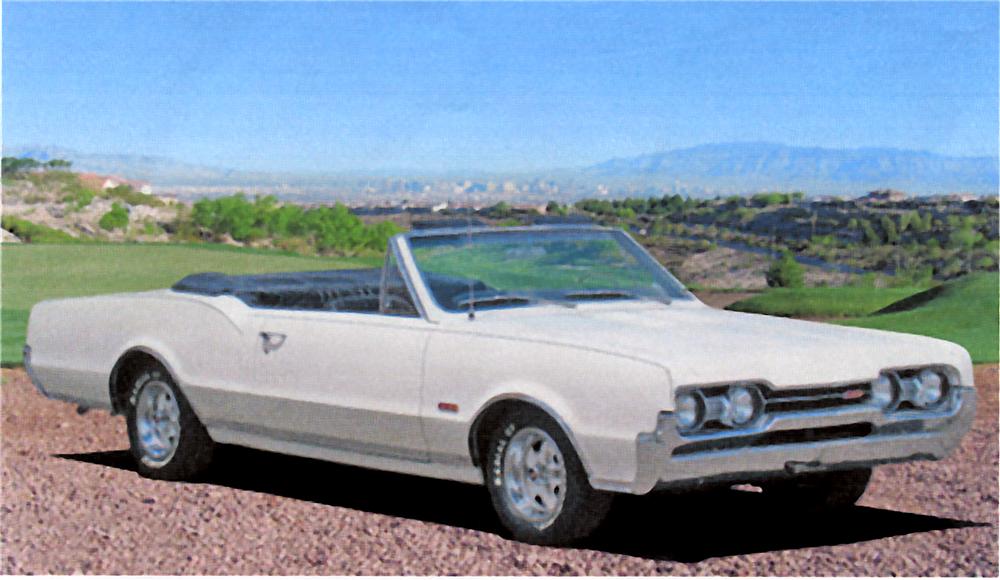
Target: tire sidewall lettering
[497, 454]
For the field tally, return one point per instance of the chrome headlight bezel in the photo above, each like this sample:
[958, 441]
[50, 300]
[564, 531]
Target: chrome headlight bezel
[733, 406]
[930, 389]
[743, 404]
[885, 391]
[916, 388]
[693, 401]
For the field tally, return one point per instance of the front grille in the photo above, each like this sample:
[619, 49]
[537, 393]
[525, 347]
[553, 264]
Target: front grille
[811, 399]
[789, 437]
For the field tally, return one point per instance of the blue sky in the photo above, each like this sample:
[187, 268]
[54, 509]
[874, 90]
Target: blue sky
[502, 87]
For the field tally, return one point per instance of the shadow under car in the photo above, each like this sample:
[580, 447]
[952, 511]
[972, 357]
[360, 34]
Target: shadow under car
[687, 527]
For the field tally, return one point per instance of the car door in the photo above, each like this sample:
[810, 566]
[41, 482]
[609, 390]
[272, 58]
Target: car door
[348, 381]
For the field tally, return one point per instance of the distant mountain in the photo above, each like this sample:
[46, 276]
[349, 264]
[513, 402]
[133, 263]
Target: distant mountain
[703, 170]
[158, 170]
[742, 167]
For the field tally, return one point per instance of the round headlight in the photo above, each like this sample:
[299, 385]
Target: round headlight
[742, 407]
[884, 391]
[929, 388]
[690, 410]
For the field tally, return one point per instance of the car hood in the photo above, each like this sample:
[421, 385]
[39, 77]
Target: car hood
[699, 344]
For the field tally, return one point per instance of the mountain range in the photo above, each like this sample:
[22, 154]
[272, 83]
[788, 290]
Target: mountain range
[755, 166]
[704, 169]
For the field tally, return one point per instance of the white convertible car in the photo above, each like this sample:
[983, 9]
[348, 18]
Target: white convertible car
[557, 365]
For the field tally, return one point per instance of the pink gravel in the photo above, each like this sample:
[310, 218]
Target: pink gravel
[72, 504]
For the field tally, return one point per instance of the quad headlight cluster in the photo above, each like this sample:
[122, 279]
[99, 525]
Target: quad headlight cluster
[924, 389]
[741, 405]
[738, 406]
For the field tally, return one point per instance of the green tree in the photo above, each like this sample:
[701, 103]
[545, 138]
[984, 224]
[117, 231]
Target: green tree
[115, 219]
[785, 272]
[58, 164]
[500, 210]
[964, 238]
[12, 166]
[553, 208]
[907, 220]
[868, 233]
[890, 231]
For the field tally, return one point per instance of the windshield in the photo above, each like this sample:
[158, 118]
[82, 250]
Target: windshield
[515, 268]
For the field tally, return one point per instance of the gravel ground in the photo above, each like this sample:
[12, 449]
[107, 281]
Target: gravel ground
[71, 503]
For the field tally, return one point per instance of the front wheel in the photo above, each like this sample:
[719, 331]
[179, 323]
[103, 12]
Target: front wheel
[165, 436]
[537, 483]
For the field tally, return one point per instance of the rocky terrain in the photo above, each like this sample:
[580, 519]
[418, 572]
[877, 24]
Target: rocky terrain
[73, 504]
[700, 265]
[54, 200]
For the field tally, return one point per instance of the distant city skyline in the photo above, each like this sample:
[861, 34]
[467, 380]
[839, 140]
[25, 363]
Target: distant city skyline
[321, 87]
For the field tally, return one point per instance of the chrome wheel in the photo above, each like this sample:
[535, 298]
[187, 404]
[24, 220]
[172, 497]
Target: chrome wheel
[158, 422]
[534, 477]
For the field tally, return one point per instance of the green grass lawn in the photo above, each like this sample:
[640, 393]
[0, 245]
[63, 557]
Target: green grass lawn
[963, 311]
[966, 311]
[832, 302]
[34, 272]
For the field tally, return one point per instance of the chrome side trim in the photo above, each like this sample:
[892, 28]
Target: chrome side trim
[439, 467]
[896, 437]
[315, 440]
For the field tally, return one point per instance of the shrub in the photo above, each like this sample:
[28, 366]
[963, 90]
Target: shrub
[115, 219]
[985, 263]
[14, 165]
[553, 208]
[785, 272]
[151, 228]
[79, 198]
[869, 234]
[499, 211]
[913, 277]
[965, 238]
[327, 229]
[295, 244]
[125, 193]
[889, 228]
[30, 232]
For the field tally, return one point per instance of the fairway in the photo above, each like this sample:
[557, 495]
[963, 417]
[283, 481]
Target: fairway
[831, 302]
[33, 272]
[966, 311]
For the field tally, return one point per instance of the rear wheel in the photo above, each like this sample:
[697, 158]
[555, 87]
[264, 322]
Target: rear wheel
[820, 491]
[166, 438]
[537, 483]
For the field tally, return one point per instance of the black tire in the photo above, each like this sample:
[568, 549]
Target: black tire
[583, 508]
[194, 448]
[820, 491]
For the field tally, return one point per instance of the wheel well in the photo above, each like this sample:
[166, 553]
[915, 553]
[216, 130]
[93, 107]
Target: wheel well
[124, 373]
[488, 419]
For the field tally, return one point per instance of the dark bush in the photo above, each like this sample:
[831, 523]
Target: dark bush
[785, 272]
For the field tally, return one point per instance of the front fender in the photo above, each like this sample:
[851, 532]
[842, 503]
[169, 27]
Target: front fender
[602, 400]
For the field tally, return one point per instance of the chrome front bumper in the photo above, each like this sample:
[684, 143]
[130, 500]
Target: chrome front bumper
[846, 437]
[31, 372]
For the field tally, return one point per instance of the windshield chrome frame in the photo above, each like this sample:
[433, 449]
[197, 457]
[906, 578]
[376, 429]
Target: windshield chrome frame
[428, 303]
[400, 249]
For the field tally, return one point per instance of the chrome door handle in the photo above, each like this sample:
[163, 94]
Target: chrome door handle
[271, 341]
